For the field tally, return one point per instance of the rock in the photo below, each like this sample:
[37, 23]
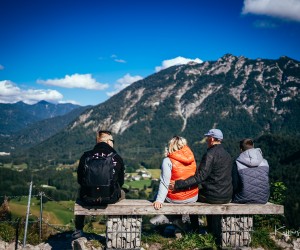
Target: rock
[10, 246]
[79, 244]
[155, 246]
[296, 244]
[44, 246]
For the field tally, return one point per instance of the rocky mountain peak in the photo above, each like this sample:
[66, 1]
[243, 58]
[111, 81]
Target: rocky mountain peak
[243, 97]
[187, 87]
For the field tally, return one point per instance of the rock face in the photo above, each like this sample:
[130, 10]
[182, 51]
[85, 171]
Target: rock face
[83, 244]
[186, 91]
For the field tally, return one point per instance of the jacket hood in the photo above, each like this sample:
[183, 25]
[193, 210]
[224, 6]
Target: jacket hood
[184, 155]
[102, 146]
[251, 157]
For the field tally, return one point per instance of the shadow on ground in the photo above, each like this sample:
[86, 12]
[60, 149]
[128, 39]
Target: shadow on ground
[64, 240]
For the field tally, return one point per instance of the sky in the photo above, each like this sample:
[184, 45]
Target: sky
[85, 51]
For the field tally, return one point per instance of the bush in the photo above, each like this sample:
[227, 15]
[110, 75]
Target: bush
[261, 238]
[7, 232]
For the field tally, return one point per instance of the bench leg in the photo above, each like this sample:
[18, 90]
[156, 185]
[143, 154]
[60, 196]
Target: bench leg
[123, 232]
[236, 230]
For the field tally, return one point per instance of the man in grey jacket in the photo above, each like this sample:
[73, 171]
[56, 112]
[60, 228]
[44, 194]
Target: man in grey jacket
[250, 175]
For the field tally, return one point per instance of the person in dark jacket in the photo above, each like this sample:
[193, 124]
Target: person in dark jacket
[104, 146]
[214, 174]
[250, 175]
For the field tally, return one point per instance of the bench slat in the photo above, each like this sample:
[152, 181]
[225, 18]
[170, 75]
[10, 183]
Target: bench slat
[144, 207]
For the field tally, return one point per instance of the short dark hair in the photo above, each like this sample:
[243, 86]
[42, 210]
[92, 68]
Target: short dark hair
[246, 144]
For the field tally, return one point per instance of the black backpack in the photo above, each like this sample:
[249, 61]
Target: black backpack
[97, 179]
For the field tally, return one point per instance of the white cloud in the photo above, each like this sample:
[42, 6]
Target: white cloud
[84, 81]
[120, 61]
[1, 67]
[283, 9]
[11, 93]
[176, 61]
[116, 59]
[124, 82]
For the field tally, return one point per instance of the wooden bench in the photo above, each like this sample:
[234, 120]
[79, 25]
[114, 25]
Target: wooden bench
[124, 219]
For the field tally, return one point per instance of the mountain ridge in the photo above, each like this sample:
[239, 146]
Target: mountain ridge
[243, 97]
[17, 116]
[39, 131]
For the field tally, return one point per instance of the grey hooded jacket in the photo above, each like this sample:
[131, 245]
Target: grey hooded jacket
[251, 178]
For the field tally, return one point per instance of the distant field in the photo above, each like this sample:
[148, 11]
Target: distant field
[138, 184]
[53, 212]
[15, 167]
[155, 173]
[141, 183]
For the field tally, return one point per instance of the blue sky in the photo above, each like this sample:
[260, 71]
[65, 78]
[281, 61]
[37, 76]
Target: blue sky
[85, 51]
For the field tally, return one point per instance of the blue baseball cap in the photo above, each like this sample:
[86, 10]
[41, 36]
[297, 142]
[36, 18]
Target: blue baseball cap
[215, 133]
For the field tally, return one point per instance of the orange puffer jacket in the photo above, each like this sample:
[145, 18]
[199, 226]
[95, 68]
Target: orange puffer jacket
[183, 166]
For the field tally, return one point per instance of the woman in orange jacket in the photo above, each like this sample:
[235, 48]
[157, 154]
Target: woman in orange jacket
[179, 164]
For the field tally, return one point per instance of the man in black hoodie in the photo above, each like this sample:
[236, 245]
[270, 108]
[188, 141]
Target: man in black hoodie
[103, 148]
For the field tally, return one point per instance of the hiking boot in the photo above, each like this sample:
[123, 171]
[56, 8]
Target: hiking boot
[178, 233]
[179, 224]
[77, 234]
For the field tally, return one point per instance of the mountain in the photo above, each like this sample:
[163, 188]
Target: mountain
[241, 96]
[38, 131]
[18, 116]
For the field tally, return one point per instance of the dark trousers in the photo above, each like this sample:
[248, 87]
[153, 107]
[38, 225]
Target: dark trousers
[79, 219]
[213, 221]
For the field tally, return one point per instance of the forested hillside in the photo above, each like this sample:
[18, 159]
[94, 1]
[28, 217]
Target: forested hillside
[17, 116]
[282, 154]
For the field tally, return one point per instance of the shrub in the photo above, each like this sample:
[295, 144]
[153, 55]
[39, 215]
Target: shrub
[7, 232]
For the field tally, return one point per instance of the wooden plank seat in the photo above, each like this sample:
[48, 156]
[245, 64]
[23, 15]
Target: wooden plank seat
[233, 222]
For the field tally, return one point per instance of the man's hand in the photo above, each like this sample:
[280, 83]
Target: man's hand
[171, 185]
[157, 205]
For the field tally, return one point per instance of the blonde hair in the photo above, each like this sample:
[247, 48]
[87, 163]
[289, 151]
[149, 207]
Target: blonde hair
[176, 143]
[104, 135]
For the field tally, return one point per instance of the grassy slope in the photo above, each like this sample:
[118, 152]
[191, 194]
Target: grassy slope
[53, 212]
